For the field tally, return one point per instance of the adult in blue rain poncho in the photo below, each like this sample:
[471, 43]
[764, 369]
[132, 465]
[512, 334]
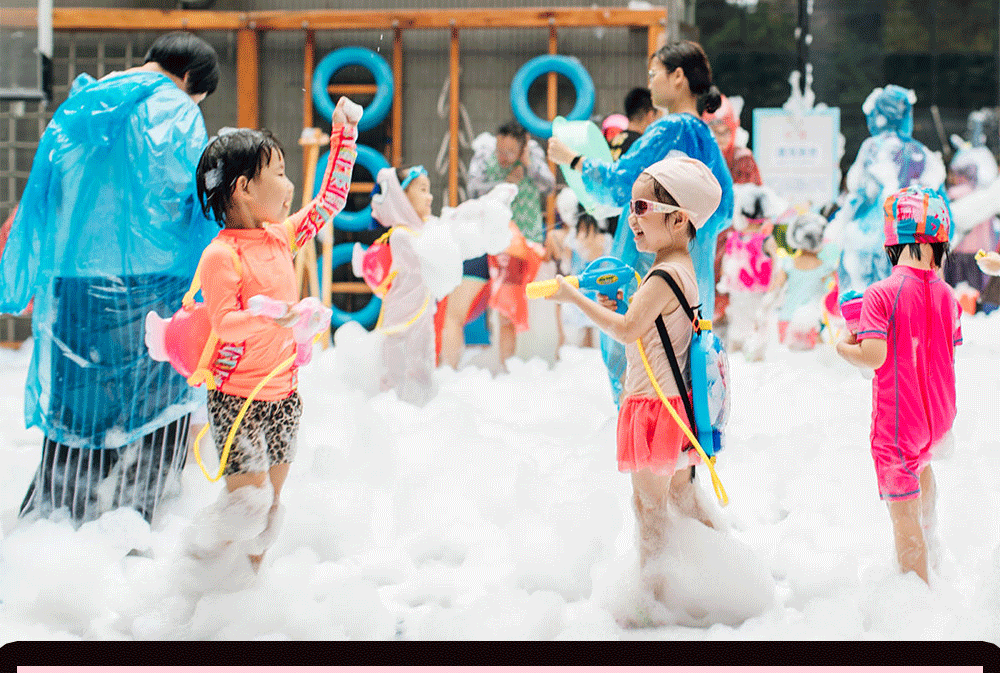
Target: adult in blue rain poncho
[108, 229]
[680, 80]
[887, 161]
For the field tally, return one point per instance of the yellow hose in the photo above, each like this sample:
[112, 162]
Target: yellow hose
[720, 492]
[224, 457]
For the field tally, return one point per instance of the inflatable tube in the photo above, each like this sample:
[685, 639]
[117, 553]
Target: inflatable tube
[357, 220]
[366, 58]
[568, 66]
[368, 315]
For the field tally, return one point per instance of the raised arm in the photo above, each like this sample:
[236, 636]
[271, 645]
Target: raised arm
[336, 185]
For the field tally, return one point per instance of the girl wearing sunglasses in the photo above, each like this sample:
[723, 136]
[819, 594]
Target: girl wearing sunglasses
[680, 81]
[671, 202]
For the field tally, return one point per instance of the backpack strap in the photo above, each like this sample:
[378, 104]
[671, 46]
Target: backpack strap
[203, 372]
[660, 273]
[682, 386]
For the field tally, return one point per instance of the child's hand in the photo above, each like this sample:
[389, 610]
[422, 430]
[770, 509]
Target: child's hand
[846, 344]
[291, 316]
[347, 112]
[989, 263]
[609, 303]
[558, 152]
[564, 292]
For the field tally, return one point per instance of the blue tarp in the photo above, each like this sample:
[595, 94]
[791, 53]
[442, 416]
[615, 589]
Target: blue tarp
[108, 228]
[611, 184]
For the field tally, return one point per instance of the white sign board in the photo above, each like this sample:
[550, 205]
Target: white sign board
[798, 157]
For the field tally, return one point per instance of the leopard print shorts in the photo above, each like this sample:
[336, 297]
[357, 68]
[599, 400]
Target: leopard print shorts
[266, 436]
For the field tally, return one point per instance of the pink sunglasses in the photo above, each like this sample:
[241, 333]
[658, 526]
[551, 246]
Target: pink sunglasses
[640, 207]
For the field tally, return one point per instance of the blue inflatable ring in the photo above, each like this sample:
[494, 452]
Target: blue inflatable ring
[568, 66]
[356, 220]
[368, 315]
[366, 58]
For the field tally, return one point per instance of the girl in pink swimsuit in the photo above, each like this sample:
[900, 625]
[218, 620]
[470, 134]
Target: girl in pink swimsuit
[907, 333]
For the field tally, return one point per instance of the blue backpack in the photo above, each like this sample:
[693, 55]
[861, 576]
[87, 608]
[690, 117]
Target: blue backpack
[708, 407]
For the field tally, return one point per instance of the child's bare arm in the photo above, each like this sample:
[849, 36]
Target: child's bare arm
[869, 353]
[336, 185]
[777, 280]
[651, 299]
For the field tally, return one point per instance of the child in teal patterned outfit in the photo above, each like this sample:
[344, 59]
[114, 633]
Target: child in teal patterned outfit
[804, 279]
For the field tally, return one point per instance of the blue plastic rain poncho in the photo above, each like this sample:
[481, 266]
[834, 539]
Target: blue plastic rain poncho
[611, 184]
[108, 229]
[888, 161]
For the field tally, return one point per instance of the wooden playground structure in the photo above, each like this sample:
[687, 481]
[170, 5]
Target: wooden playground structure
[249, 26]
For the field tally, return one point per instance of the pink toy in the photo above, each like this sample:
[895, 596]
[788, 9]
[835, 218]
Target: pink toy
[830, 302]
[180, 339]
[375, 265]
[314, 318]
[851, 310]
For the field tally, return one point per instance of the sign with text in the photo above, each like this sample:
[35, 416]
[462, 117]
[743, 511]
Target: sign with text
[798, 156]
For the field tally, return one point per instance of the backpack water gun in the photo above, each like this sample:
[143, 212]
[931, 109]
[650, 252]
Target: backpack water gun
[606, 281]
[708, 408]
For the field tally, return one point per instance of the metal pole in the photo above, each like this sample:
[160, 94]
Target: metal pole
[802, 36]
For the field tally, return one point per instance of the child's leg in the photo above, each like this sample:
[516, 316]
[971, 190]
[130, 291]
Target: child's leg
[650, 493]
[277, 475]
[457, 308]
[911, 551]
[684, 496]
[506, 340]
[281, 434]
[928, 515]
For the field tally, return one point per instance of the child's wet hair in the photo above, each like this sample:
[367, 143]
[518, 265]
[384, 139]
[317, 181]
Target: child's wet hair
[586, 224]
[939, 248]
[231, 154]
[663, 196]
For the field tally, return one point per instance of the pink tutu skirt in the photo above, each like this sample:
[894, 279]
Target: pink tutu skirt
[649, 437]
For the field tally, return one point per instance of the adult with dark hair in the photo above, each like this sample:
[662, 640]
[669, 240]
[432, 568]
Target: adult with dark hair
[680, 80]
[512, 156]
[641, 112]
[109, 229]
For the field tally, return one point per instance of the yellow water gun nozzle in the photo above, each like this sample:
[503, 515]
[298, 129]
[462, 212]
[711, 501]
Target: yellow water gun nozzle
[540, 289]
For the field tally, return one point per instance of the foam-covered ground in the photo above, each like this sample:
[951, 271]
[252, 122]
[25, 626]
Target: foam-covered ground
[496, 512]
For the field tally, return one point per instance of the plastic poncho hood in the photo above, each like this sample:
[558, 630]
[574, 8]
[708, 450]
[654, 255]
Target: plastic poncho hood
[107, 229]
[890, 109]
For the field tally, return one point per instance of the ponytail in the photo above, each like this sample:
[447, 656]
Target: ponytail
[710, 101]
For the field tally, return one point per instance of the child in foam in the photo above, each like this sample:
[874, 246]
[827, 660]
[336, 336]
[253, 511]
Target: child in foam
[747, 265]
[427, 255]
[581, 242]
[908, 330]
[801, 281]
[241, 181]
[671, 200]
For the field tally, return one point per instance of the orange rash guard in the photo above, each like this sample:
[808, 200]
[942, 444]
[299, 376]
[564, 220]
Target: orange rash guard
[251, 346]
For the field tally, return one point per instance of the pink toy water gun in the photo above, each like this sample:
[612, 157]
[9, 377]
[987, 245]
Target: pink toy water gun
[314, 319]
